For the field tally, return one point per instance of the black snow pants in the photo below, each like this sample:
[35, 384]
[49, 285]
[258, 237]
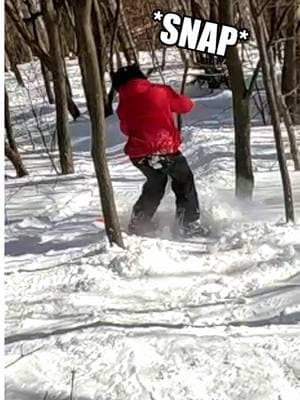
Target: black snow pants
[157, 169]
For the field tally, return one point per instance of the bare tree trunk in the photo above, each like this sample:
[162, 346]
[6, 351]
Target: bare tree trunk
[273, 15]
[199, 11]
[72, 107]
[114, 10]
[297, 113]
[291, 134]
[8, 126]
[41, 38]
[100, 42]
[119, 59]
[163, 58]
[14, 67]
[38, 48]
[182, 89]
[93, 90]
[124, 48]
[241, 112]
[6, 63]
[11, 149]
[289, 76]
[284, 111]
[16, 160]
[129, 38]
[260, 31]
[214, 17]
[114, 34]
[123, 45]
[62, 123]
[47, 80]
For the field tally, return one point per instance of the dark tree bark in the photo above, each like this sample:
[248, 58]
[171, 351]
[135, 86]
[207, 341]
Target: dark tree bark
[297, 113]
[291, 133]
[182, 89]
[13, 65]
[199, 11]
[260, 31]
[99, 35]
[273, 14]
[241, 111]
[114, 35]
[128, 35]
[16, 160]
[41, 39]
[119, 59]
[47, 80]
[213, 16]
[93, 90]
[11, 149]
[8, 126]
[59, 81]
[289, 74]
[72, 107]
[214, 12]
[114, 16]
[123, 45]
[124, 48]
[38, 48]
[285, 113]
[163, 59]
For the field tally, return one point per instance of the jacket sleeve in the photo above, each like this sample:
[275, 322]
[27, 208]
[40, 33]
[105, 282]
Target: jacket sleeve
[180, 104]
[123, 124]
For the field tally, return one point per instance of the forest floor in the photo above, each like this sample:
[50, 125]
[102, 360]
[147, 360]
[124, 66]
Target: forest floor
[213, 319]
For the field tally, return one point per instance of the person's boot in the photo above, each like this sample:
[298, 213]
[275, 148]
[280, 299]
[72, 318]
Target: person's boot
[195, 229]
[139, 226]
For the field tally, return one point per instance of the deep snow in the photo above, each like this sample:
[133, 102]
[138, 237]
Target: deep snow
[216, 319]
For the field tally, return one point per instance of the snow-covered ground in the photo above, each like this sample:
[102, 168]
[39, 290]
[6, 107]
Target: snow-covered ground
[216, 319]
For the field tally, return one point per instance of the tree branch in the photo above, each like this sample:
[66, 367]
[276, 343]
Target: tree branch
[23, 356]
[263, 7]
[253, 79]
[269, 44]
[114, 35]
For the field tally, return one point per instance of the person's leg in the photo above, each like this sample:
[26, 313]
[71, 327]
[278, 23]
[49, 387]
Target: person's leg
[150, 198]
[183, 185]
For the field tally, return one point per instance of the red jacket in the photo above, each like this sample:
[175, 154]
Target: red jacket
[146, 116]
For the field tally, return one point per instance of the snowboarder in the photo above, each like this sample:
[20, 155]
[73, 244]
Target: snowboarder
[147, 114]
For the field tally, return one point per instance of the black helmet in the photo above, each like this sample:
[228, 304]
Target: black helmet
[125, 74]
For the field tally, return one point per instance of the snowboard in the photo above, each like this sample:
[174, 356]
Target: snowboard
[208, 243]
[170, 233]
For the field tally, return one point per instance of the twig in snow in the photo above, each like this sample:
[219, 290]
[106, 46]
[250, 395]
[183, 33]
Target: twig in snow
[72, 383]
[23, 356]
